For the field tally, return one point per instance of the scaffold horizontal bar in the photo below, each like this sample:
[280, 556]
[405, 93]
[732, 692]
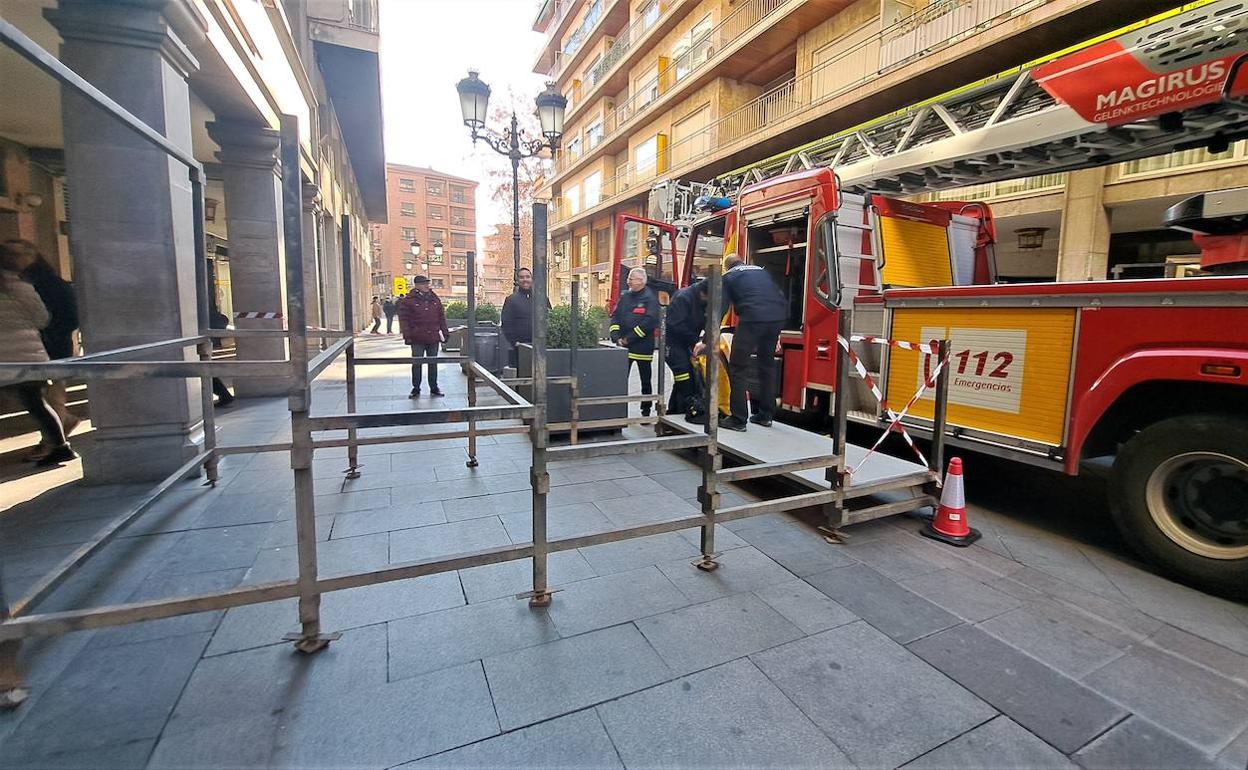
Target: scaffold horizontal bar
[608, 400]
[230, 333]
[498, 386]
[126, 370]
[916, 479]
[418, 437]
[246, 449]
[776, 468]
[614, 422]
[327, 356]
[146, 347]
[889, 509]
[70, 564]
[418, 417]
[780, 505]
[407, 360]
[631, 446]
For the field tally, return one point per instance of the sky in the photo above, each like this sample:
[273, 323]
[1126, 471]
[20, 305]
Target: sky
[426, 47]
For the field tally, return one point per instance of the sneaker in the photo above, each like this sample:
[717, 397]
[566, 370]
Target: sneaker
[759, 419]
[415, 393]
[436, 392]
[58, 456]
[732, 423]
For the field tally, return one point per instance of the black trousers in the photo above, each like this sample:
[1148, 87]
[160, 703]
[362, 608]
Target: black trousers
[645, 368]
[425, 349]
[31, 396]
[680, 361]
[376, 326]
[759, 339]
[389, 324]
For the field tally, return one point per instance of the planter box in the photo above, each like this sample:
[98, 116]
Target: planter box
[603, 372]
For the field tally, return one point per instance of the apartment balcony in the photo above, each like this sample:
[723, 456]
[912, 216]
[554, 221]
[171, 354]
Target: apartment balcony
[345, 35]
[868, 79]
[556, 57]
[552, 14]
[739, 47]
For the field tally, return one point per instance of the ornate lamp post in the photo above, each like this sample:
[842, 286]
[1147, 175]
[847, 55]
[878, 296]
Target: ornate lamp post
[474, 99]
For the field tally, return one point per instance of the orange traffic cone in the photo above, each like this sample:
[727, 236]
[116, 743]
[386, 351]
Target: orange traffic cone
[949, 525]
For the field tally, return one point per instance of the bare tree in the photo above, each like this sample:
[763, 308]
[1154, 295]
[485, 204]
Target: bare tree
[529, 173]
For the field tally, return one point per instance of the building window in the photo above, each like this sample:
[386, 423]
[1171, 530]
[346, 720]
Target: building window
[407, 209]
[591, 72]
[459, 263]
[649, 14]
[409, 234]
[459, 217]
[407, 185]
[602, 245]
[435, 212]
[436, 235]
[574, 148]
[573, 196]
[459, 240]
[459, 194]
[646, 159]
[593, 189]
[586, 256]
[693, 49]
[593, 135]
[437, 283]
[434, 187]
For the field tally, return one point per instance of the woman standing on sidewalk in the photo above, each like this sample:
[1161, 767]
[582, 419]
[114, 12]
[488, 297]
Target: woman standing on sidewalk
[422, 320]
[22, 316]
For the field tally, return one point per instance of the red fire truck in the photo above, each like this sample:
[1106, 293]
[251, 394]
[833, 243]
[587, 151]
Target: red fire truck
[1151, 372]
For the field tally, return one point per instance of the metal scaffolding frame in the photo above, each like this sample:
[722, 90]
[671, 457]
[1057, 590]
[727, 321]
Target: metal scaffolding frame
[18, 620]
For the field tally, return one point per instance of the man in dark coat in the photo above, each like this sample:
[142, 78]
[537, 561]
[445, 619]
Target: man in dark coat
[686, 318]
[422, 320]
[633, 323]
[761, 311]
[390, 309]
[517, 317]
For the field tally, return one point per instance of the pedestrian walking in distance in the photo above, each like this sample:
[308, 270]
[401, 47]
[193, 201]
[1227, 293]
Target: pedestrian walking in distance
[390, 309]
[633, 323]
[22, 317]
[761, 311]
[57, 295]
[375, 313]
[422, 321]
[219, 320]
[517, 317]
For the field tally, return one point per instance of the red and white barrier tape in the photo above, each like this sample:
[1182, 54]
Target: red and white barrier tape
[248, 314]
[894, 417]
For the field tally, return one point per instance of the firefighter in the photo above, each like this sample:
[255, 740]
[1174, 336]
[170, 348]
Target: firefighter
[761, 311]
[633, 323]
[686, 316]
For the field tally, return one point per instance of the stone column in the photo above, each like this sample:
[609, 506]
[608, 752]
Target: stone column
[1083, 249]
[312, 259]
[131, 229]
[331, 260]
[253, 203]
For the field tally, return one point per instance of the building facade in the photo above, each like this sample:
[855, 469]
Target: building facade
[429, 207]
[498, 264]
[113, 213]
[687, 89]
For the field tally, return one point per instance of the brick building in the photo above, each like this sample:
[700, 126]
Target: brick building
[427, 206]
[497, 263]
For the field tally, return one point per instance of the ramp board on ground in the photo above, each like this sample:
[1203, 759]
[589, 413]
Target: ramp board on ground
[783, 442]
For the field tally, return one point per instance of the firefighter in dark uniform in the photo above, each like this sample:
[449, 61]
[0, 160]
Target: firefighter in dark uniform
[686, 317]
[633, 323]
[761, 310]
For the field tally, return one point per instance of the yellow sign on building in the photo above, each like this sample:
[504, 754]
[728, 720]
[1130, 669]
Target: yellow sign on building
[400, 287]
[1009, 368]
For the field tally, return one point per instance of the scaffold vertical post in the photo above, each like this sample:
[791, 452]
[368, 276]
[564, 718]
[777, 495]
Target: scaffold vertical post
[941, 412]
[204, 289]
[660, 405]
[12, 686]
[309, 639]
[574, 383]
[470, 351]
[539, 479]
[837, 474]
[712, 461]
[348, 325]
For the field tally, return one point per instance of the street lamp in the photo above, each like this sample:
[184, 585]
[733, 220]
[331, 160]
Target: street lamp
[415, 249]
[474, 99]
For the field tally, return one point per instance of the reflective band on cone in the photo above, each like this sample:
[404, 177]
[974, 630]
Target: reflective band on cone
[949, 525]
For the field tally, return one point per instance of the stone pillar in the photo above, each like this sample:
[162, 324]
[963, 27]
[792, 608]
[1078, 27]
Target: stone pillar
[1083, 249]
[253, 203]
[131, 229]
[311, 220]
[331, 260]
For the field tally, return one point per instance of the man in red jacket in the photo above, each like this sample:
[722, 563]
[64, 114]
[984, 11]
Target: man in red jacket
[422, 320]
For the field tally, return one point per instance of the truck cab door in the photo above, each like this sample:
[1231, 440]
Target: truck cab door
[648, 244]
[823, 301]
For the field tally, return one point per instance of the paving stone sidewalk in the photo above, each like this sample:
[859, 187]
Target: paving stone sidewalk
[1026, 650]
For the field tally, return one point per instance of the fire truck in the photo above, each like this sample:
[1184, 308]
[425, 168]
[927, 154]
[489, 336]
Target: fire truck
[1150, 372]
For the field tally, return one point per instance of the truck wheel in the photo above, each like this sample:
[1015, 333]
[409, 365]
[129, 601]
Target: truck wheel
[1179, 495]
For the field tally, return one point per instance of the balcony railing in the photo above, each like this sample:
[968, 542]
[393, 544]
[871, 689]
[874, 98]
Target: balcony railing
[804, 93]
[352, 14]
[700, 53]
[939, 23]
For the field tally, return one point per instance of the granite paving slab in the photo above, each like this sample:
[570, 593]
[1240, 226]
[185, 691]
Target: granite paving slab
[999, 744]
[514, 577]
[740, 569]
[1055, 707]
[886, 605]
[333, 557]
[624, 555]
[559, 677]
[964, 596]
[396, 517]
[1137, 744]
[605, 601]
[882, 705]
[120, 756]
[797, 548]
[727, 716]
[169, 587]
[704, 635]
[569, 742]
[805, 606]
[438, 640]
[446, 539]
[1051, 634]
[562, 521]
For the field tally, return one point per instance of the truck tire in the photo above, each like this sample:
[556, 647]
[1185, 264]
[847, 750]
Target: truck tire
[1179, 495]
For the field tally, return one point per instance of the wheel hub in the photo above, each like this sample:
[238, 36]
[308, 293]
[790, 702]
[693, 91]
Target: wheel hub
[1200, 501]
